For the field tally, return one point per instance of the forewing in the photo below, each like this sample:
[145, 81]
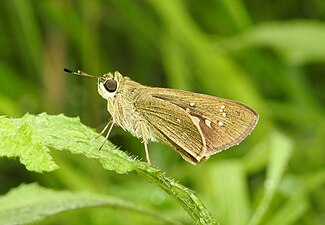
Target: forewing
[173, 126]
[223, 123]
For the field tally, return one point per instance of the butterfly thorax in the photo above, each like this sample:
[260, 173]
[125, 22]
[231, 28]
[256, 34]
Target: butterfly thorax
[124, 114]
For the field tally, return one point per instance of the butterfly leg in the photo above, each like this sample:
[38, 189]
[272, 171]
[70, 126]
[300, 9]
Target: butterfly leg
[141, 128]
[147, 151]
[110, 122]
[108, 132]
[103, 131]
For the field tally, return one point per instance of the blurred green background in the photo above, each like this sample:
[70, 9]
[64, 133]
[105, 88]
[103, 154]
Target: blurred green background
[267, 54]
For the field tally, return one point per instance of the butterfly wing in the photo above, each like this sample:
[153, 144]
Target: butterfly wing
[173, 126]
[223, 123]
[196, 125]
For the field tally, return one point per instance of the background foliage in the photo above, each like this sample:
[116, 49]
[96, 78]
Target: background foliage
[268, 54]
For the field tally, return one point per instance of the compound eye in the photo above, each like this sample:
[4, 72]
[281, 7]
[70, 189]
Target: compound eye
[110, 85]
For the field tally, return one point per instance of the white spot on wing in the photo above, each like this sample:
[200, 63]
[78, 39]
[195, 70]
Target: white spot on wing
[224, 114]
[220, 123]
[192, 104]
[207, 122]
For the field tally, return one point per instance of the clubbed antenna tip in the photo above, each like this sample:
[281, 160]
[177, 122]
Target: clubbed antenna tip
[79, 73]
[67, 70]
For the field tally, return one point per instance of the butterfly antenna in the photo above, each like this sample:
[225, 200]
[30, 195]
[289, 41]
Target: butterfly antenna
[79, 73]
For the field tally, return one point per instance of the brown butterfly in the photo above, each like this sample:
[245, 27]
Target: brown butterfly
[195, 125]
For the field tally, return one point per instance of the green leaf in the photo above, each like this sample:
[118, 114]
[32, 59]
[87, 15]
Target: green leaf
[31, 137]
[31, 203]
[226, 183]
[296, 204]
[20, 140]
[281, 148]
[298, 42]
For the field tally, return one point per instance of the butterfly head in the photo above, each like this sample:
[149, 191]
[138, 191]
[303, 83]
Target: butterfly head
[108, 84]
